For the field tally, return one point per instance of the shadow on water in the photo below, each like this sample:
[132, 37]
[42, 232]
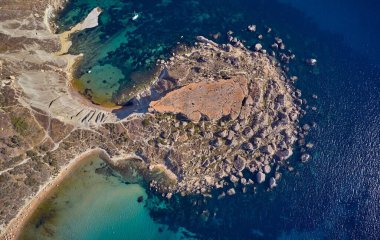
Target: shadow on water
[335, 195]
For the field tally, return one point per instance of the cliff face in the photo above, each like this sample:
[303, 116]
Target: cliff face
[215, 110]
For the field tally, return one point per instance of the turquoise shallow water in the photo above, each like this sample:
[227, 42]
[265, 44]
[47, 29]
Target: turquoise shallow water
[90, 205]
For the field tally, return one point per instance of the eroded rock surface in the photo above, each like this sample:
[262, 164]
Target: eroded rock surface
[213, 100]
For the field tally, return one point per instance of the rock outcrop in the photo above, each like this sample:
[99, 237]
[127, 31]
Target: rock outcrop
[212, 100]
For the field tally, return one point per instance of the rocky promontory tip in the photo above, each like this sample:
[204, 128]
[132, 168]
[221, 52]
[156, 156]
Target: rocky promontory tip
[218, 115]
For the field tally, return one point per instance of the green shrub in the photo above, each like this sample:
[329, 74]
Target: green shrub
[146, 122]
[19, 125]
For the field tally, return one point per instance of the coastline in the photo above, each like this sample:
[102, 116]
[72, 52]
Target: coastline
[91, 21]
[15, 226]
[51, 90]
[58, 76]
[72, 62]
[61, 99]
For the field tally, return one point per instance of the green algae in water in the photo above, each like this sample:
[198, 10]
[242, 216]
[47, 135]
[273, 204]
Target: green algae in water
[94, 205]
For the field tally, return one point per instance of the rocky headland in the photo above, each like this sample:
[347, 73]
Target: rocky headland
[215, 116]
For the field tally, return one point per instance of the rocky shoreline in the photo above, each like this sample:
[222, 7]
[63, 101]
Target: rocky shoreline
[207, 139]
[217, 116]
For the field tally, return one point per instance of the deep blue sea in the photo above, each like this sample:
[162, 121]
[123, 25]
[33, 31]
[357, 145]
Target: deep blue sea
[336, 195]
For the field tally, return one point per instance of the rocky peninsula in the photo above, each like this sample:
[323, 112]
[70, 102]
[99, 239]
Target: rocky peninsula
[215, 116]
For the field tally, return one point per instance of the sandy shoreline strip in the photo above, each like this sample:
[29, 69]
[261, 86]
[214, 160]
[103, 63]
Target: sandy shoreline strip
[72, 62]
[91, 21]
[15, 226]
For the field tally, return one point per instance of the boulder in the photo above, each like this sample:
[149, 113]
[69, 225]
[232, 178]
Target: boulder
[236, 127]
[274, 46]
[248, 132]
[221, 196]
[267, 169]
[209, 180]
[267, 150]
[231, 191]
[258, 46]
[223, 133]
[243, 181]
[306, 127]
[207, 41]
[232, 143]
[207, 135]
[284, 154]
[234, 179]
[256, 141]
[311, 61]
[217, 142]
[231, 135]
[309, 145]
[249, 101]
[280, 99]
[293, 116]
[272, 182]
[252, 28]
[277, 176]
[260, 177]
[239, 163]
[305, 157]
[247, 146]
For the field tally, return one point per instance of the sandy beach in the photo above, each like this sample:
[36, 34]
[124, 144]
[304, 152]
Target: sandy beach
[16, 225]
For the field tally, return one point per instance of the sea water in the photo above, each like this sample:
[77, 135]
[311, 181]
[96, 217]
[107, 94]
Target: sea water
[92, 203]
[336, 195]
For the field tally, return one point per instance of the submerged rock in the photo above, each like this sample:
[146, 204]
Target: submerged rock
[258, 47]
[272, 182]
[305, 157]
[260, 177]
[252, 28]
[231, 191]
[311, 61]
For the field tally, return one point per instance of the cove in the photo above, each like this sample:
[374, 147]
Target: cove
[92, 203]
